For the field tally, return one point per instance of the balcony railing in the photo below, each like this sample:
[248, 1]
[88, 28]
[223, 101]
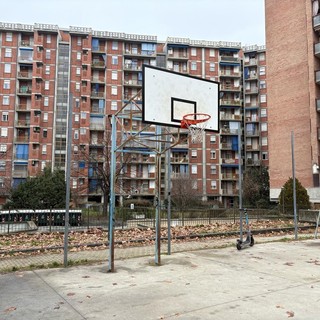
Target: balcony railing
[133, 82]
[318, 77]
[26, 90]
[97, 94]
[22, 107]
[318, 105]
[316, 23]
[317, 49]
[98, 64]
[27, 75]
[23, 123]
[230, 102]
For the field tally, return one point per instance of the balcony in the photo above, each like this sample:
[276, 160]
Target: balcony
[97, 95]
[98, 65]
[227, 131]
[317, 49]
[26, 43]
[97, 79]
[23, 108]
[23, 123]
[318, 104]
[251, 62]
[99, 49]
[316, 23]
[22, 139]
[226, 146]
[251, 162]
[24, 75]
[230, 102]
[230, 176]
[229, 74]
[25, 90]
[132, 67]
[230, 116]
[178, 56]
[229, 59]
[252, 91]
[132, 83]
[229, 192]
[250, 133]
[318, 77]
[20, 173]
[230, 88]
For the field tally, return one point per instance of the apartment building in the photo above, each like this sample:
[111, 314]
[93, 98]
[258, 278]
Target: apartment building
[45, 69]
[293, 93]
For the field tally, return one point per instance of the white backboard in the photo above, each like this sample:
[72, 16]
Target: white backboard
[168, 96]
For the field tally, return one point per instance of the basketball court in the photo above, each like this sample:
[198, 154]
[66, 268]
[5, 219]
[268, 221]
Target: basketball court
[275, 280]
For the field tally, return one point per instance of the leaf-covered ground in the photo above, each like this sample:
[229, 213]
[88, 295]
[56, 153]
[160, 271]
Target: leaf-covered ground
[95, 239]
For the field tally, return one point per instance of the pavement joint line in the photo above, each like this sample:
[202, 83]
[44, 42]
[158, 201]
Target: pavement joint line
[58, 294]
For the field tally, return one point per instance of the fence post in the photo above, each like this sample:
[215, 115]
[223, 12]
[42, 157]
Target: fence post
[9, 221]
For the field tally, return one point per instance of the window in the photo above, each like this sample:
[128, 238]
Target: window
[75, 149]
[5, 100]
[79, 41]
[2, 165]
[263, 98]
[6, 84]
[193, 51]
[74, 183]
[213, 184]
[46, 101]
[4, 132]
[264, 155]
[7, 68]
[212, 66]
[5, 116]
[45, 133]
[262, 84]
[83, 115]
[1, 182]
[76, 134]
[264, 141]
[114, 105]
[78, 71]
[78, 55]
[264, 126]
[9, 36]
[76, 117]
[213, 169]
[194, 169]
[8, 53]
[83, 131]
[47, 70]
[194, 184]
[44, 149]
[48, 54]
[193, 65]
[212, 53]
[114, 45]
[77, 86]
[77, 103]
[45, 116]
[263, 112]
[43, 165]
[114, 60]
[3, 148]
[262, 71]
[48, 38]
[46, 85]
[114, 75]
[212, 154]
[262, 56]
[213, 139]
[114, 90]
[193, 153]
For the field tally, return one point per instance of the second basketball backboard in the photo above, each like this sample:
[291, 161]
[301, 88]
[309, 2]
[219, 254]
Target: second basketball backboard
[168, 96]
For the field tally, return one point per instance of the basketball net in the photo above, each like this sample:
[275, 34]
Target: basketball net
[196, 123]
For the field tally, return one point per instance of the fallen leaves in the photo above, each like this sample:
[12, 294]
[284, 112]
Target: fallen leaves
[10, 309]
[23, 244]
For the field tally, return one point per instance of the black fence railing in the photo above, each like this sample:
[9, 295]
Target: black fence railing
[125, 218]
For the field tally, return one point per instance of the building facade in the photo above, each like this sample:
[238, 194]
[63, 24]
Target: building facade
[45, 69]
[293, 93]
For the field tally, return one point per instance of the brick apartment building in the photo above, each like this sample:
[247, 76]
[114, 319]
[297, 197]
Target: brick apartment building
[293, 93]
[42, 66]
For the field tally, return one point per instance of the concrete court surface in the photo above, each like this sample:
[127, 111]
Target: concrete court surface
[276, 280]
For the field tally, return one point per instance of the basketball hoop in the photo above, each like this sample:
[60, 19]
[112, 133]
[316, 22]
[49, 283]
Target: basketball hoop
[196, 123]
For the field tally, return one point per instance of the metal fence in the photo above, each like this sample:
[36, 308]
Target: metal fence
[125, 218]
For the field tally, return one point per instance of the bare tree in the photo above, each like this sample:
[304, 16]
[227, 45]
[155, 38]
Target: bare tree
[95, 163]
[183, 193]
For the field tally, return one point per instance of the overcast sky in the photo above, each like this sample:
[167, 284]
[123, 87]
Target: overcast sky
[218, 20]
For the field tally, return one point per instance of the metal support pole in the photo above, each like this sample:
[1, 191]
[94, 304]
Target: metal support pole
[169, 199]
[112, 195]
[240, 181]
[158, 202]
[294, 190]
[68, 167]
